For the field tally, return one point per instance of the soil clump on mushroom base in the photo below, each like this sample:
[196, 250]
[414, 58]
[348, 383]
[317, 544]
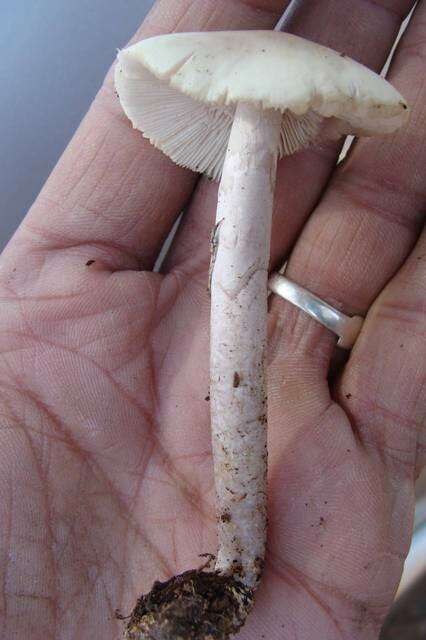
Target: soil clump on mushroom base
[196, 605]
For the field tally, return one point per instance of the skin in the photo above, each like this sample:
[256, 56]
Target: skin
[105, 463]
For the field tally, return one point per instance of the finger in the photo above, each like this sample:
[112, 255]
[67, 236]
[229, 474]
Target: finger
[385, 386]
[360, 465]
[357, 29]
[365, 31]
[112, 191]
[370, 216]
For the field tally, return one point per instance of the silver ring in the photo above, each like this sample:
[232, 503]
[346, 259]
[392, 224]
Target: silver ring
[347, 328]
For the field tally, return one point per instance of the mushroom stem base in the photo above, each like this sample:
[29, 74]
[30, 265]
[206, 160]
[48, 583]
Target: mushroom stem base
[196, 605]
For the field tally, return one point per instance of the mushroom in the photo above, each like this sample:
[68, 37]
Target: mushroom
[229, 104]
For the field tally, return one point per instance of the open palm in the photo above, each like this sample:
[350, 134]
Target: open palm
[106, 479]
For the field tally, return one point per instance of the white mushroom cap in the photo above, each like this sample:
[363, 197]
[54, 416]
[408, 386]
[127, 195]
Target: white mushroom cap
[181, 91]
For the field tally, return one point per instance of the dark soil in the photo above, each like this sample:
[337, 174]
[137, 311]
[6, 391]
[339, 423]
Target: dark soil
[196, 605]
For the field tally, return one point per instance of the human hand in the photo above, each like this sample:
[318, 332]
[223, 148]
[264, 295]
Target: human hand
[106, 476]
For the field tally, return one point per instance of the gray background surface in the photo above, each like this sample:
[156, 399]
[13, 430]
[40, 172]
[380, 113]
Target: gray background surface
[54, 55]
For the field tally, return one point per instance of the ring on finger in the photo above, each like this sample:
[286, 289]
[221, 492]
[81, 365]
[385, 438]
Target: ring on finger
[347, 328]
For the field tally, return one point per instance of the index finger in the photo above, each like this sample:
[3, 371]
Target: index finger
[111, 190]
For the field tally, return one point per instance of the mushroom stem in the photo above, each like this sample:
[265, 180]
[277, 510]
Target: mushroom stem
[238, 339]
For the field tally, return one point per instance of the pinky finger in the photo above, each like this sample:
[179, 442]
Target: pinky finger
[383, 386]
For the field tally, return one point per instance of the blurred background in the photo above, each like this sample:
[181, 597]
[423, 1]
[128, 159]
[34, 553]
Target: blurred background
[54, 56]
